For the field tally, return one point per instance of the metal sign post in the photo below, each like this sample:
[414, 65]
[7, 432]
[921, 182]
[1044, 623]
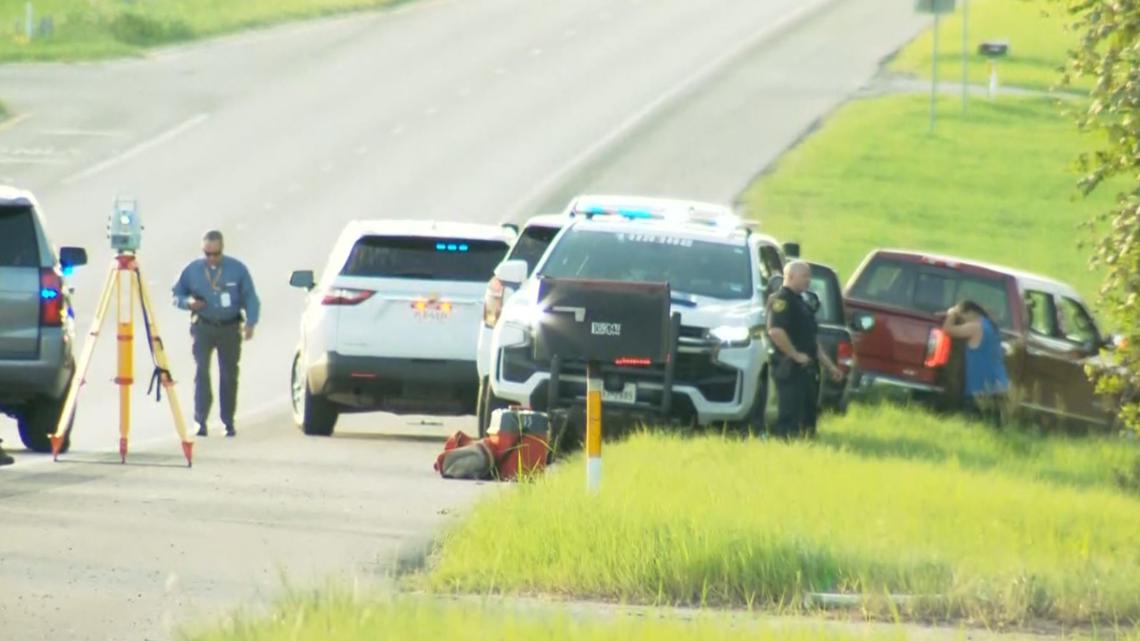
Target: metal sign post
[936, 7]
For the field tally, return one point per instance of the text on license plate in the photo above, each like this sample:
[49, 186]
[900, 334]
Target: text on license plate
[628, 395]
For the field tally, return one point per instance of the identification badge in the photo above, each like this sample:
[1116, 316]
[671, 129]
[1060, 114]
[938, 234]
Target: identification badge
[225, 297]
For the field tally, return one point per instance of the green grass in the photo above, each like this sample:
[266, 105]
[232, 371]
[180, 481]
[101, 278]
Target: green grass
[1037, 32]
[1002, 529]
[104, 28]
[998, 186]
[341, 618]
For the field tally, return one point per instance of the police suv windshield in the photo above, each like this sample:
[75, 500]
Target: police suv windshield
[702, 268]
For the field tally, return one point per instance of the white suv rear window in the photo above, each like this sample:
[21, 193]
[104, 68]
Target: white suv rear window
[421, 258]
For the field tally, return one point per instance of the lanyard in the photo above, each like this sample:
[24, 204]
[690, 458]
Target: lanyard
[213, 281]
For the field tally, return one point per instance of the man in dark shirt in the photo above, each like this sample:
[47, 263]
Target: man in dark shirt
[798, 355]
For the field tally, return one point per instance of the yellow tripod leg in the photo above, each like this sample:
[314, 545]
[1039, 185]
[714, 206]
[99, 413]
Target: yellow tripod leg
[125, 315]
[159, 350]
[84, 363]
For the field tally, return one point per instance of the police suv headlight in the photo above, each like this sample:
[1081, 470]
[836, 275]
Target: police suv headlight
[731, 335]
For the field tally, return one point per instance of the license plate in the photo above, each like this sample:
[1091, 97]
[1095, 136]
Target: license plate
[628, 395]
[431, 315]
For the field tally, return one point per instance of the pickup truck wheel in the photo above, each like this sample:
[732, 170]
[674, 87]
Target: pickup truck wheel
[314, 414]
[486, 405]
[38, 422]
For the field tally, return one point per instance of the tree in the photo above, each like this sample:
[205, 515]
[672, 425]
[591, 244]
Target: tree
[1109, 55]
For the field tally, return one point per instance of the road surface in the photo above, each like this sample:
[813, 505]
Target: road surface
[483, 110]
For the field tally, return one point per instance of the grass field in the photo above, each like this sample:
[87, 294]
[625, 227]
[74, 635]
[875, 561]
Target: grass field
[103, 28]
[998, 185]
[1000, 529]
[1036, 30]
[341, 618]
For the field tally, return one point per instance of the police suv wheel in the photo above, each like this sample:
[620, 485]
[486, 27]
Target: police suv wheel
[38, 422]
[314, 414]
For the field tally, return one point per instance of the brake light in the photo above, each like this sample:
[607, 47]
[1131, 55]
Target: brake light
[493, 302]
[937, 348]
[845, 355]
[51, 298]
[629, 361]
[346, 296]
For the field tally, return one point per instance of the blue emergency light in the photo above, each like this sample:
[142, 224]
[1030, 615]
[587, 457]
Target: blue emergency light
[451, 247]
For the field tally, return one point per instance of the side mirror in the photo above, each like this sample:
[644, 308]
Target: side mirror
[72, 256]
[774, 284]
[512, 271]
[511, 226]
[302, 279]
[863, 323]
[792, 250]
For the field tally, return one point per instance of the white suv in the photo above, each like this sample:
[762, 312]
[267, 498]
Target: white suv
[718, 269]
[393, 322]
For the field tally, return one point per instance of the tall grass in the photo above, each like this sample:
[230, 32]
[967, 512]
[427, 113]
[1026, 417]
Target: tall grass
[102, 28]
[885, 431]
[716, 522]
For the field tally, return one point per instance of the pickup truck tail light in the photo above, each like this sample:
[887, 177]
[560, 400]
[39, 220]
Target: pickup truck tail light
[493, 302]
[51, 298]
[937, 348]
[845, 355]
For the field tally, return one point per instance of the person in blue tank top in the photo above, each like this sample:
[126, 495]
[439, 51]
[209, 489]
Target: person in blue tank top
[986, 380]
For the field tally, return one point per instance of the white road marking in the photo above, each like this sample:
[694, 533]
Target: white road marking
[87, 133]
[25, 160]
[397, 130]
[141, 148]
[661, 101]
[431, 111]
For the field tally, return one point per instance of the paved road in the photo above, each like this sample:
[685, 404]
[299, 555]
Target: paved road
[481, 110]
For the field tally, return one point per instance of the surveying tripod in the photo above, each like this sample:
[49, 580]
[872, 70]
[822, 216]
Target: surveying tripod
[125, 283]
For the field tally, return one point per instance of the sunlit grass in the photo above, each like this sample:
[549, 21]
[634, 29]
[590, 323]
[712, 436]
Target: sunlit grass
[991, 528]
[997, 185]
[1036, 30]
[103, 28]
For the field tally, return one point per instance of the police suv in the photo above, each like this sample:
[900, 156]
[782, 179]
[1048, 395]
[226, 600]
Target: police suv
[392, 324]
[718, 269]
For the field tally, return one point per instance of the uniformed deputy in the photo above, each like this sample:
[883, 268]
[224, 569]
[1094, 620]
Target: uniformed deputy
[795, 362]
[217, 290]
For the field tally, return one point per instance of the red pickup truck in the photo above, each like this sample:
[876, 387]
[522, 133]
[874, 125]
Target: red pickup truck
[896, 302]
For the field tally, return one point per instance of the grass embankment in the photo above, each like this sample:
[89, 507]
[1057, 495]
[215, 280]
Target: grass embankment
[995, 528]
[1036, 30]
[106, 28]
[997, 185]
[338, 618]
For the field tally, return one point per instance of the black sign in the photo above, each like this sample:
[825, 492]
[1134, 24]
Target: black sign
[602, 320]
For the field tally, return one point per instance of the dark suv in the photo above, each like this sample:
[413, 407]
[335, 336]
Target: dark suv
[896, 301]
[37, 330]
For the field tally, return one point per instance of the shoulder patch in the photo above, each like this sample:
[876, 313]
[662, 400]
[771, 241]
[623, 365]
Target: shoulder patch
[779, 304]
